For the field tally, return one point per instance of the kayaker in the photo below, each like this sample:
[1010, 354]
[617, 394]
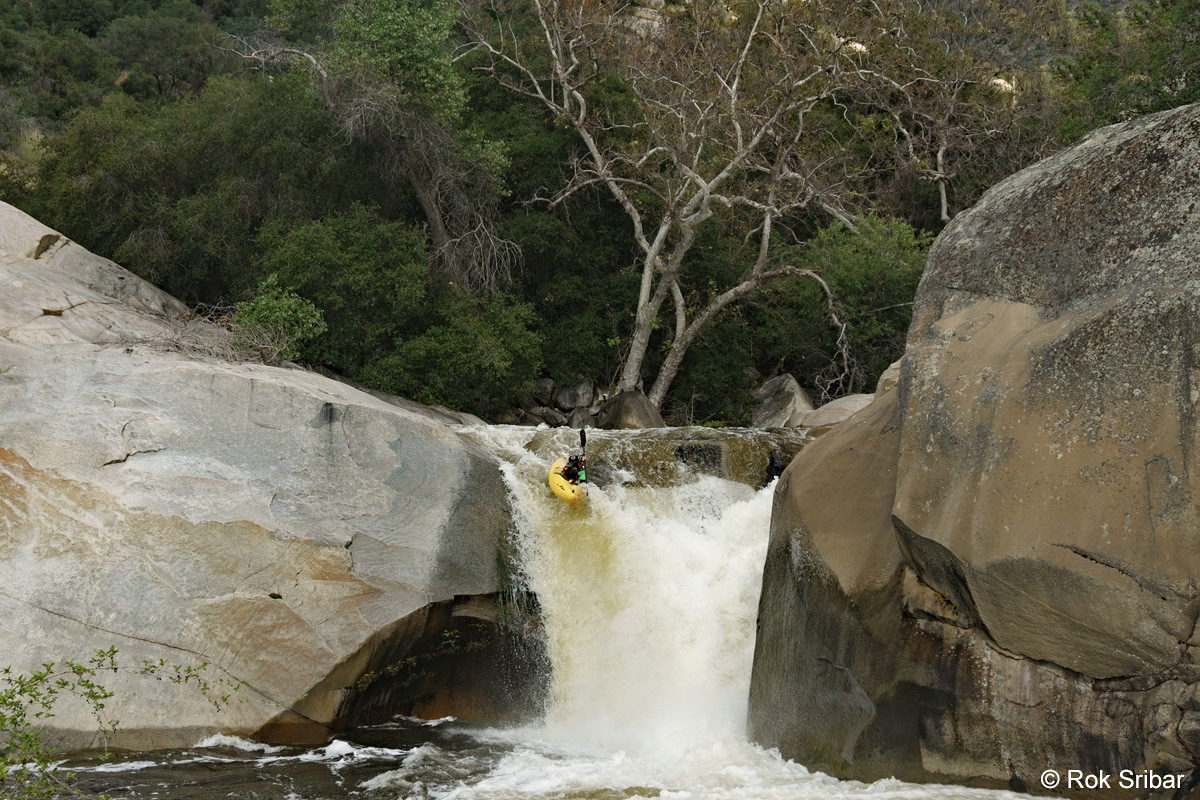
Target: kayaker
[575, 469]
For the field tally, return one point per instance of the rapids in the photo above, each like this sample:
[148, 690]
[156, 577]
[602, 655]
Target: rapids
[649, 594]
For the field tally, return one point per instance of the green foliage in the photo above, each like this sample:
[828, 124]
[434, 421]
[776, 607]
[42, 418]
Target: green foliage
[1125, 63]
[390, 326]
[209, 184]
[403, 45]
[161, 55]
[404, 42]
[478, 354]
[15, 179]
[276, 322]
[16, 15]
[87, 17]
[573, 275]
[177, 193]
[369, 277]
[873, 276]
[64, 73]
[28, 769]
[715, 383]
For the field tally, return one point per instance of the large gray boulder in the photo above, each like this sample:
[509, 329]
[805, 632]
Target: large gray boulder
[833, 412]
[778, 401]
[630, 410]
[287, 529]
[568, 398]
[994, 567]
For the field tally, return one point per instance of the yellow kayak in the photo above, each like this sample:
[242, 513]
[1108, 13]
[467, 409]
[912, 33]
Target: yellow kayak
[563, 489]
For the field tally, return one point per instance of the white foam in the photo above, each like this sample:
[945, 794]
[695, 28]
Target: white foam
[649, 599]
[237, 743]
[124, 766]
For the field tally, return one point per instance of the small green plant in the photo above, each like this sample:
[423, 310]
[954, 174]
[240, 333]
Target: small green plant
[29, 768]
[275, 322]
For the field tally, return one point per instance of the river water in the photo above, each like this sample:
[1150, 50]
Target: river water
[649, 593]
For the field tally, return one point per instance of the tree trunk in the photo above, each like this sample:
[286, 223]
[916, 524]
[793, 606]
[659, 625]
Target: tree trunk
[435, 226]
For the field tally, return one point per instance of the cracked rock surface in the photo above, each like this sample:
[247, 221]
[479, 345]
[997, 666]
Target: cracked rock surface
[1005, 580]
[274, 523]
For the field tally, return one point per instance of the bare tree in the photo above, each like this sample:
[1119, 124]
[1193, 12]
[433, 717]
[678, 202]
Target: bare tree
[730, 119]
[971, 78]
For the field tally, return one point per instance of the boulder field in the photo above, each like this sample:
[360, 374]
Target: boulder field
[992, 570]
[313, 544]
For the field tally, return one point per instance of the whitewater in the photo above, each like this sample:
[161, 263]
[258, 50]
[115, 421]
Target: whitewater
[648, 594]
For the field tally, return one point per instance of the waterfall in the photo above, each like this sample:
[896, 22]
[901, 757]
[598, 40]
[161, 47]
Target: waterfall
[649, 593]
[648, 597]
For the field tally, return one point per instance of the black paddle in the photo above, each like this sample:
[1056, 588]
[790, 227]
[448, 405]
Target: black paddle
[583, 450]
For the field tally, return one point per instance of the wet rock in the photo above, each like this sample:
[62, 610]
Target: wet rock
[552, 416]
[580, 418]
[509, 416]
[532, 418]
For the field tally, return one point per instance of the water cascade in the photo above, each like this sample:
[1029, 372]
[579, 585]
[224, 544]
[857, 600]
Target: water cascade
[648, 594]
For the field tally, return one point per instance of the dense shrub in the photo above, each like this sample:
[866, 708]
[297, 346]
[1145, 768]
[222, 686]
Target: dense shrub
[369, 277]
[873, 276]
[275, 322]
[479, 354]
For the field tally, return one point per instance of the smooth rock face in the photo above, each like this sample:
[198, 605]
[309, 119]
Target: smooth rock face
[279, 525]
[890, 378]
[628, 411]
[777, 401]
[1033, 602]
[833, 412]
[581, 418]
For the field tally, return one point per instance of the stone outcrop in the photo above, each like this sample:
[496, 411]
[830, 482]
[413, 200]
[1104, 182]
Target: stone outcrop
[555, 407]
[992, 570]
[890, 378]
[778, 401]
[292, 531]
[627, 411]
[782, 403]
[569, 398]
[581, 418]
[833, 412]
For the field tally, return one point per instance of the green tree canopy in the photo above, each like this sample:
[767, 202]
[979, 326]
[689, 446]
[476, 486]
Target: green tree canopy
[178, 192]
[369, 277]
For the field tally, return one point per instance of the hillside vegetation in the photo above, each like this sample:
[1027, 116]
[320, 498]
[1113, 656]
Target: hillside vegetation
[466, 212]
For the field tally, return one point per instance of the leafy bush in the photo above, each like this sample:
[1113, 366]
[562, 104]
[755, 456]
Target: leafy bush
[275, 322]
[479, 353]
[873, 275]
[715, 383]
[177, 193]
[369, 277]
[28, 768]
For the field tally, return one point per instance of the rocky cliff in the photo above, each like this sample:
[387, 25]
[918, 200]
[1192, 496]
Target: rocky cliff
[992, 571]
[298, 535]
